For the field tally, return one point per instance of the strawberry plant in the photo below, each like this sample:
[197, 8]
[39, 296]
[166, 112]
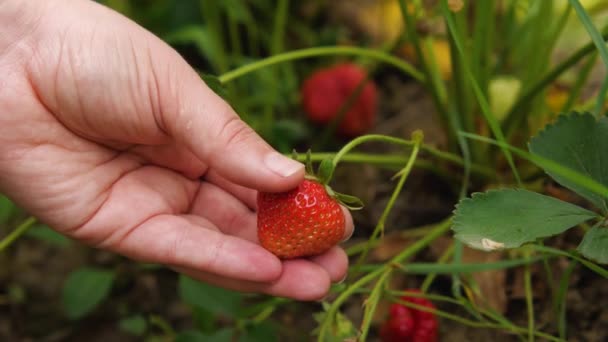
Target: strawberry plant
[508, 218]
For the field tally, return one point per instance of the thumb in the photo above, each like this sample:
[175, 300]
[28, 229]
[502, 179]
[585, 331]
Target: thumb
[215, 134]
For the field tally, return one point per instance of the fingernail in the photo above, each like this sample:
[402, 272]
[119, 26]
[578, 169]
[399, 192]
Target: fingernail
[349, 235]
[282, 165]
[343, 279]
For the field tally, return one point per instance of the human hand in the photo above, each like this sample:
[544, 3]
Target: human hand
[108, 136]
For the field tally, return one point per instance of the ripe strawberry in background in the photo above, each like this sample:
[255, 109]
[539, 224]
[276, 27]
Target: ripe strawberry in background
[410, 325]
[326, 90]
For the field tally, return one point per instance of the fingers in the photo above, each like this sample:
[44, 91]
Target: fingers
[225, 211]
[193, 243]
[144, 93]
[349, 226]
[172, 157]
[334, 262]
[300, 280]
[246, 195]
[220, 138]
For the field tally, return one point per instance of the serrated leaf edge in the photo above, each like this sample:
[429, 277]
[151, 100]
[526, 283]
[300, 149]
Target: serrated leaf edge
[488, 244]
[564, 117]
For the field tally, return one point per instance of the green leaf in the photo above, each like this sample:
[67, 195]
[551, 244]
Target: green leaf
[191, 336]
[325, 171]
[16, 294]
[6, 209]
[223, 335]
[598, 40]
[262, 332]
[342, 328]
[308, 164]
[84, 289]
[204, 320]
[508, 218]
[214, 84]
[237, 10]
[213, 299]
[578, 142]
[351, 202]
[46, 234]
[194, 34]
[286, 133]
[595, 245]
[549, 165]
[134, 325]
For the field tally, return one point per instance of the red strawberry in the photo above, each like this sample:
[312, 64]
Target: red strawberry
[302, 222]
[326, 90]
[410, 325]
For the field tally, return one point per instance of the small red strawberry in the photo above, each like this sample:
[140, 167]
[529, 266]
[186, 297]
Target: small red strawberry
[410, 325]
[326, 90]
[304, 221]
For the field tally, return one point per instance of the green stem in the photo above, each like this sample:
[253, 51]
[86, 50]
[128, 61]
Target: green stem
[395, 162]
[581, 80]
[560, 300]
[429, 296]
[412, 233]
[482, 42]
[516, 113]
[278, 32]
[15, 234]
[549, 165]
[389, 160]
[529, 298]
[433, 87]
[371, 303]
[456, 318]
[456, 268]
[590, 265]
[163, 325]
[483, 102]
[211, 15]
[435, 233]
[502, 324]
[601, 99]
[595, 35]
[322, 51]
[431, 276]
[263, 315]
[235, 39]
[280, 74]
[403, 174]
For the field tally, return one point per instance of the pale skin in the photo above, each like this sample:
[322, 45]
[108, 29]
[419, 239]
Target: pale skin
[110, 137]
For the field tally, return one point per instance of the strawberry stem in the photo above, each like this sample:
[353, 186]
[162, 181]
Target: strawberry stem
[309, 169]
[326, 171]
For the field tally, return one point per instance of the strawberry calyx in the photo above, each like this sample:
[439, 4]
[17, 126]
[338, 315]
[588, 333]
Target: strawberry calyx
[323, 175]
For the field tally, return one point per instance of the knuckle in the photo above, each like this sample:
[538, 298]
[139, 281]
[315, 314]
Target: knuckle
[234, 132]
